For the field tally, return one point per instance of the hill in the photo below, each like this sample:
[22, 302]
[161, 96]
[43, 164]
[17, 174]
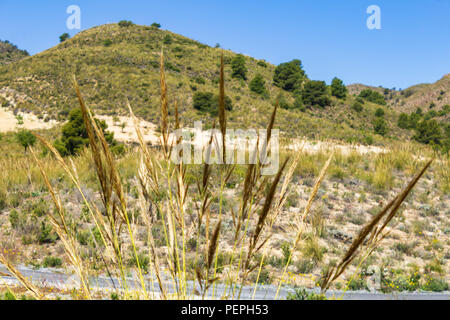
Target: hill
[426, 96]
[10, 53]
[114, 64]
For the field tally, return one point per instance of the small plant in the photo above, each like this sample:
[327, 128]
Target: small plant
[26, 139]
[302, 294]
[52, 262]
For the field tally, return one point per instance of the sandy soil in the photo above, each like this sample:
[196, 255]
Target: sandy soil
[8, 121]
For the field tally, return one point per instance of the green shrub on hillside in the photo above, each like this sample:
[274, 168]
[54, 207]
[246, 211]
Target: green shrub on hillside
[428, 132]
[315, 93]
[373, 96]
[258, 85]
[379, 113]
[357, 106]
[238, 67]
[52, 262]
[125, 23]
[380, 126]
[208, 102]
[403, 121]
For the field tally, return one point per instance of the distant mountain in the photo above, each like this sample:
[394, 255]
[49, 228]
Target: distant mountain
[10, 53]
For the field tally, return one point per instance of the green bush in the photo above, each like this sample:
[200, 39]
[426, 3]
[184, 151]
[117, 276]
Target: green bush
[435, 285]
[357, 106]
[380, 127]
[428, 132]
[208, 102]
[373, 96]
[75, 137]
[107, 43]
[238, 67]
[356, 284]
[289, 75]
[125, 23]
[379, 113]
[258, 85]
[52, 262]
[3, 200]
[302, 294]
[403, 121]
[25, 138]
[46, 234]
[315, 93]
[14, 218]
[64, 37]
[286, 249]
[156, 25]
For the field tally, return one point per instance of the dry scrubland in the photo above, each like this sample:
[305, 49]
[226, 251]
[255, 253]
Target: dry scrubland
[138, 214]
[329, 215]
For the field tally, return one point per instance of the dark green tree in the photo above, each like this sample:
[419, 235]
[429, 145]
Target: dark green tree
[289, 75]
[64, 37]
[238, 67]
[315, 93]
[258, 85]
[26, 139]
[208, 102]
[156, 25]
[338, 89]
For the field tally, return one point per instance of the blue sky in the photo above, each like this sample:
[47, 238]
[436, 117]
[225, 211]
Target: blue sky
[329, 36]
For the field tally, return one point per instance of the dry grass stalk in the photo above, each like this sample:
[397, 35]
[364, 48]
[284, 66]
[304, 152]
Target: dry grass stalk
[372, 227]
[301, 224]
[37, 294]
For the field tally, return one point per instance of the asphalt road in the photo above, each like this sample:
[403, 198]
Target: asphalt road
[60, 280]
